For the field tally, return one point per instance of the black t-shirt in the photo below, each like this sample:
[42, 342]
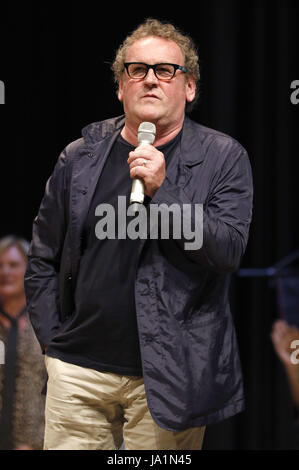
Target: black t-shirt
[102, 332]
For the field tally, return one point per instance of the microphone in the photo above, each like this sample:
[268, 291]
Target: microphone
[146, 135]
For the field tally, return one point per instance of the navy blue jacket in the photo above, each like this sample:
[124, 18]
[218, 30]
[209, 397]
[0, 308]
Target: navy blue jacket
[189, 352]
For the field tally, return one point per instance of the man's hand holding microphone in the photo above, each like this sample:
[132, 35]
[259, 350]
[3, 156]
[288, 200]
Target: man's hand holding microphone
[147, 165]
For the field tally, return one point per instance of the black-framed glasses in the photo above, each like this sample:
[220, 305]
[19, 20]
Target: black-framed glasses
[139, 70]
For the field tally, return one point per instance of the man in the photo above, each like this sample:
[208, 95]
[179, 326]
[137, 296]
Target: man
[139, 339]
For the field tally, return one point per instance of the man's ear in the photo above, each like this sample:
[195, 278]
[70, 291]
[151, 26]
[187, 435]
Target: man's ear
[120, 90]
[190, 89]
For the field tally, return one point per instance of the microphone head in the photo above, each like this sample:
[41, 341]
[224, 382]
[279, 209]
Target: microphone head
[146, 133]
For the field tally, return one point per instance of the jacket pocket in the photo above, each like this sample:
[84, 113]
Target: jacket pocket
[208, 353]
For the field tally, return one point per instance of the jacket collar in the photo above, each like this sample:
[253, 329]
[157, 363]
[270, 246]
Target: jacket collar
[97, 131]
[191, 143]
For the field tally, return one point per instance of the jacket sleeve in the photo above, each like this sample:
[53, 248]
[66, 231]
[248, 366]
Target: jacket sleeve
[41, 277]
[226, 213]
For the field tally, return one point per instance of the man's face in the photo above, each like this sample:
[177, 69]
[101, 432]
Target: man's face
[151, 99]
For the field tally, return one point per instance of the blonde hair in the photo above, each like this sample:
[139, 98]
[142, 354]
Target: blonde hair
[153, 27]
[12, 240]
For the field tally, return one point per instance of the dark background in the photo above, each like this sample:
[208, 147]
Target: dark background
[54, 65]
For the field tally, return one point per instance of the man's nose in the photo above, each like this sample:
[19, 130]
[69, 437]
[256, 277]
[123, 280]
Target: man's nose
[151, 77]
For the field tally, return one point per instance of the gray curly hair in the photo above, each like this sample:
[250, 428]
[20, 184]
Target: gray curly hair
[153, 27]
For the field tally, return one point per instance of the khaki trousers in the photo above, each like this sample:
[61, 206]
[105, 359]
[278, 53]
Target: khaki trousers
[87, 409]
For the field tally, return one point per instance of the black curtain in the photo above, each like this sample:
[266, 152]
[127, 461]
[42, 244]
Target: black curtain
[55, 66]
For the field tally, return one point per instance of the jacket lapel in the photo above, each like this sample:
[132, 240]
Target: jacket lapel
[187, 155]
[87, 169]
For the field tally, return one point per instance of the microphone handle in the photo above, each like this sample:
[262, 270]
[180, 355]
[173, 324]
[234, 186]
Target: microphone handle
[137, 192]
